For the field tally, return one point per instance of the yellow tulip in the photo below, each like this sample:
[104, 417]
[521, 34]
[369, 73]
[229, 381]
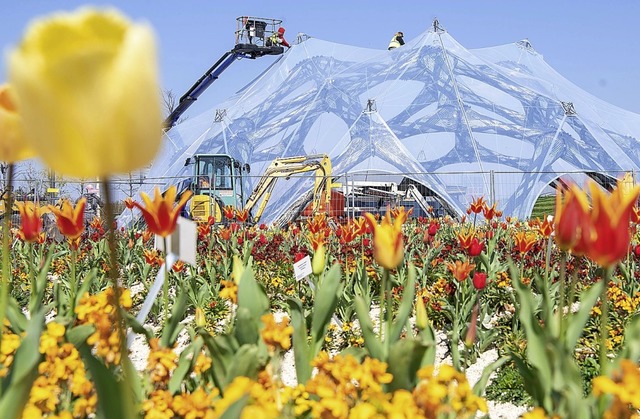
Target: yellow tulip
[422, 320]
[13, 145]
[319, 260]
[388, 247]
[86, 85]
[201, 318]
[237, 269]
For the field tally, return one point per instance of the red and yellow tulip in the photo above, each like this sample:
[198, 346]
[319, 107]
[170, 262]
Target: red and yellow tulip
[30, 221]
[388, 245]
[524, 241]
[477, 205]
[600, 231]
[160, 214]
[69, 219]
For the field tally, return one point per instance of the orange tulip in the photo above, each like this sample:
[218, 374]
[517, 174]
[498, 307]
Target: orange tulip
[490, 212]
[74, 243]
[128, 202]
[242, 215]
[229, 212]
[96, 224]
[546, 228]
[317, 240]
[524, 241]
[600, 232]
[70, 220]
[41, 238]
[160, 214]
[608, 241]
[359, 226]
[146, 236]
[461, 270]
[477, 205]
[399, 212]
[151, 256]
[225, 234]
[571, 216]
[346, 232]
[388, 246]
[30, 221]
[203, 231]
[465, 239]
[317, 223]
[178, 266]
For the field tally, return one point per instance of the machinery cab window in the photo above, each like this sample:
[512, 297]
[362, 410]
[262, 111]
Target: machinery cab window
[214, 172]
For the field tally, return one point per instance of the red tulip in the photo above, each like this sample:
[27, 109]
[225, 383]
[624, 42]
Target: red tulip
[479, 280]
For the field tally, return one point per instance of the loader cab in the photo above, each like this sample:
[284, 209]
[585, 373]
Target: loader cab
[216, 182]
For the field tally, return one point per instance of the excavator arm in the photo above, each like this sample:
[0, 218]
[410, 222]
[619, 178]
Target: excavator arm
[286, 167]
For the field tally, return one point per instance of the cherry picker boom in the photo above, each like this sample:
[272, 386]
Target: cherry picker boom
[251, 36]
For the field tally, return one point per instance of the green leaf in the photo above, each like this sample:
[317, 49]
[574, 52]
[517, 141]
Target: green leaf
[16, 317]
[578, 320]
[406, 306]
[245, 363]
[79, 334]
[223, 349]
[24, 371]
[134, 381]
[536, 351]
[136, 326]
[371, 340]
[405, 359]
[186, 360]
[43, 276]
[251, 295]
[172, 327]
[246, 328]
[481, 385]
[299, 338]
[428, 337]
[324, 305]
[235, 410]
[631, 347]
[354, 351]
[114, 399]
[86, 284]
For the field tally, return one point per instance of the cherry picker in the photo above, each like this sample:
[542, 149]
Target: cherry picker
[252, 35]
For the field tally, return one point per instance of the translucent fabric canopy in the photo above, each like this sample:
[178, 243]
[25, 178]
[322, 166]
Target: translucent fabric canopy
[496, 122]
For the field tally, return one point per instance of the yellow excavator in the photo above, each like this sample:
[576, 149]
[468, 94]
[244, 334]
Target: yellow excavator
[218, 178]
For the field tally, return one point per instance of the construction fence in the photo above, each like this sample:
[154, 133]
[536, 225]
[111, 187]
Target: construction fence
[352, 194]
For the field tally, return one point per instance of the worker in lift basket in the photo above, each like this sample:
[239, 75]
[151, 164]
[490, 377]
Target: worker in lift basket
[277, 39]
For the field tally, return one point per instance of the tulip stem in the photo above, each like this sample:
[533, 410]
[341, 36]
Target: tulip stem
[388, 308]
[604, 322]
[113, 275]
[6, 269]
[383, 285]
[72, 281]
[165, 286]
[32, 278]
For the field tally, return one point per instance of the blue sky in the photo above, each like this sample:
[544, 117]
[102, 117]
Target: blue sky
[595, 44]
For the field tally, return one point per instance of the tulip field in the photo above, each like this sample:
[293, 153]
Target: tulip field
[488, 282]
[557, 297]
